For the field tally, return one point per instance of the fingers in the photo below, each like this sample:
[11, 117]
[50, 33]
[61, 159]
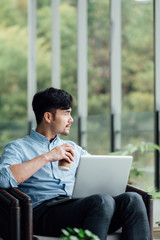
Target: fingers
[69, 152]
[69, 157]
[64, 151]
[68, 148]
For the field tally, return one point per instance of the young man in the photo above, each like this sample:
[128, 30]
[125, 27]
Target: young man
[31, 164]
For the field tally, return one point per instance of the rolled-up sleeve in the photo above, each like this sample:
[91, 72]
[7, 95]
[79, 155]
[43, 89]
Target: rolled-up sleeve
[6, 178]
[10, 156]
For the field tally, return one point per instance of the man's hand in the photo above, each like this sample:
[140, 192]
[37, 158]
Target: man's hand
[64, 151]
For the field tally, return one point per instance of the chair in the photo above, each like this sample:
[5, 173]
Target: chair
[27, 222]
[26, 213]
[9, 216]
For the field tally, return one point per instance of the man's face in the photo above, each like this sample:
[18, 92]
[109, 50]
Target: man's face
[62, 121]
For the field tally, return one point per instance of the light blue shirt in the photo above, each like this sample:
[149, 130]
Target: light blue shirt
[48, 182]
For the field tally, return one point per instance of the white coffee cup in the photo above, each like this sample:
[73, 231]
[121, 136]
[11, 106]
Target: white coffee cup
[63, 165]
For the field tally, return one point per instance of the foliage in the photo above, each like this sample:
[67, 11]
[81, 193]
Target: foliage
[76, 234]
[155, 194]
[138, 147]
[158, 223]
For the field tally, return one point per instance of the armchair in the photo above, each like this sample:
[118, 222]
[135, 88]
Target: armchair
[9, 216]
[26, 214]
[26, 218]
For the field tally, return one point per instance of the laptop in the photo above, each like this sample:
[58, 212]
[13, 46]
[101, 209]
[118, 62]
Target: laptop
[98, 174]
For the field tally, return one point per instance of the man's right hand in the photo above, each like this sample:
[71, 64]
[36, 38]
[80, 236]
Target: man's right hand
[64, 151]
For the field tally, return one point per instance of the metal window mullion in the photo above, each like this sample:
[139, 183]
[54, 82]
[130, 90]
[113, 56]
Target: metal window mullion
[31, 78]
[157, 54]
[82, 72]
[115, 69]
[55, 44]
[157, 87]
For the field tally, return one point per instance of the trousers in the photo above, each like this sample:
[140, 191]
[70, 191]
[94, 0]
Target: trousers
[101, 214]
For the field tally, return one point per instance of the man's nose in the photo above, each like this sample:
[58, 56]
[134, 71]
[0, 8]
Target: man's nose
[71, 119]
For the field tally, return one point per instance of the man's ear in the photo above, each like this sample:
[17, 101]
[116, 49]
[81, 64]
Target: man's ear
[48, 117]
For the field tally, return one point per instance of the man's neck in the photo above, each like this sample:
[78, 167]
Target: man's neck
[45, 132]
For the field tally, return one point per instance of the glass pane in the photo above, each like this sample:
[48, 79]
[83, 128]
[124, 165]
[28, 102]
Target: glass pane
[68, 15]
[137, 56]
[137, 127]
[43, 44]
[142, 172]
[98, 134]
[13, 70]
[12, 130]
[98, 56]
[137, 132]
[138, 85]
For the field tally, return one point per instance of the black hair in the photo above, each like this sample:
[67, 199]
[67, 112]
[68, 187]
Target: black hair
[50, 99]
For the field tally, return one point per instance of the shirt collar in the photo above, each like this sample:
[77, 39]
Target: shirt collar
[39, 137]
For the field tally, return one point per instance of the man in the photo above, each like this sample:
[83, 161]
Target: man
[31, 164]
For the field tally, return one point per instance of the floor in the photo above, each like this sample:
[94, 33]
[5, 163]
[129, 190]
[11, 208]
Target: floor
[156, 233]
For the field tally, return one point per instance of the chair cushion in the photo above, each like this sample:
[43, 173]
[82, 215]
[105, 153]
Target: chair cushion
[114, 236]
[36, 237]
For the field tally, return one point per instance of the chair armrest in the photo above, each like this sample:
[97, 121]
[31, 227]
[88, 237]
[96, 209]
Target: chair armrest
[22, 197]
[144, 194]
[10, 216]
[26, 213]
[7, 200]
[147, 198]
